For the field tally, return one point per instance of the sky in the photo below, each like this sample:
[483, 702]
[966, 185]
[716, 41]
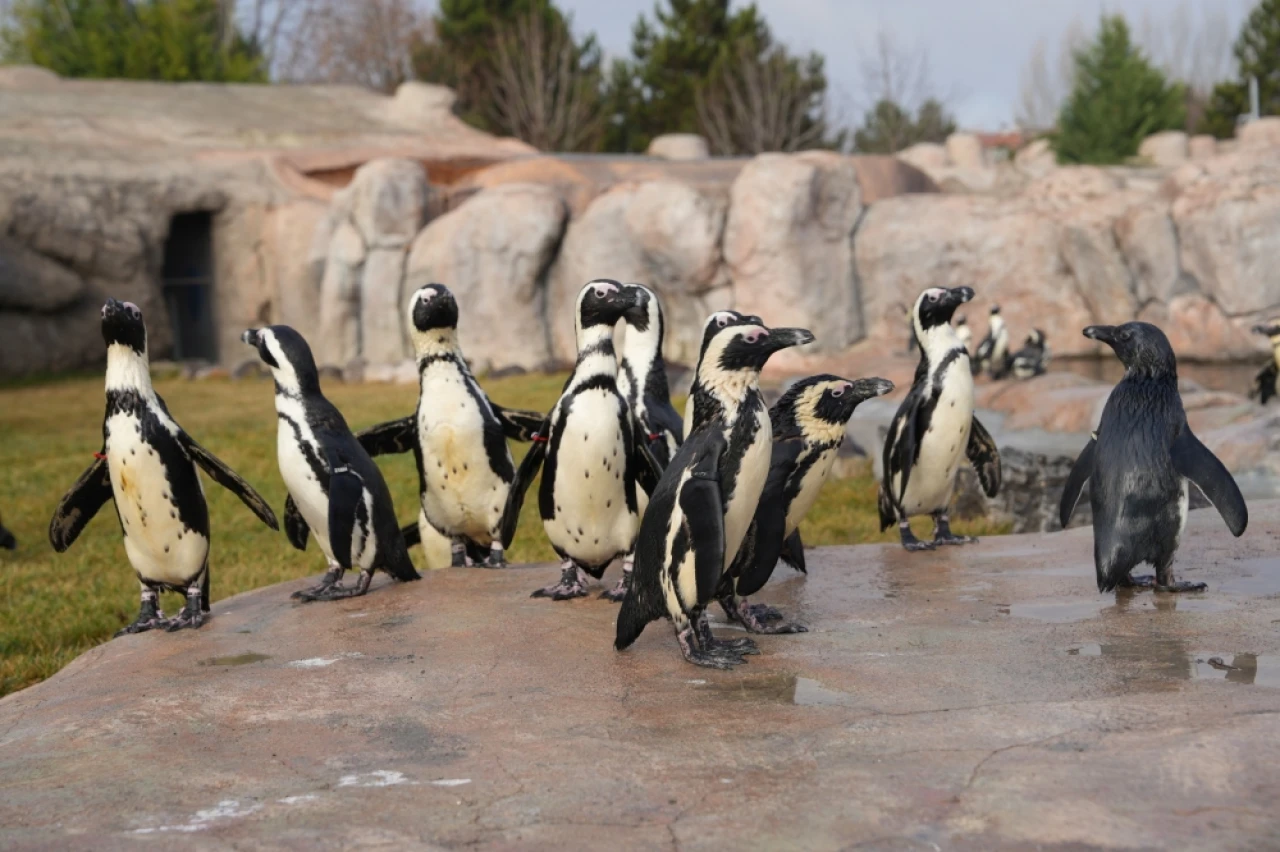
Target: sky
[976, 48]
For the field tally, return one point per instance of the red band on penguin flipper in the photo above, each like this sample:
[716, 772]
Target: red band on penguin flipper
[99, 456]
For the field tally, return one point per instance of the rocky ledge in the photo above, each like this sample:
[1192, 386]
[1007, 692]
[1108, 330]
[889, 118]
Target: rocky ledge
[978, 698]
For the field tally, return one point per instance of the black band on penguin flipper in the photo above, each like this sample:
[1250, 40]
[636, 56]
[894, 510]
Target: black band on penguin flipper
[518, 424]
[1193, 460]
[78, 506]
[985, 458]
[390, 438]
[230, 480]
[1080, 473]
[519, 486]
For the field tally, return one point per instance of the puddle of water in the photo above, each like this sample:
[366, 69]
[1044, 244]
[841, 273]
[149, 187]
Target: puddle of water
[236, 660]
[784, 688]
[1262, 580]
[1057, 611]
[811, 693]
[1169, 657]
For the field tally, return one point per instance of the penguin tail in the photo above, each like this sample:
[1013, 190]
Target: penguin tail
[638, 609]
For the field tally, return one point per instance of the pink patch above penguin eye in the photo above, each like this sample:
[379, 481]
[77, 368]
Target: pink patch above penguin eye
[755, 335]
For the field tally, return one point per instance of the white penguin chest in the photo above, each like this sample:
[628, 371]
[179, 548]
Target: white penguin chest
[943, 443]
[296, 444]
[159, 545]
[810, 487]
[752, 474]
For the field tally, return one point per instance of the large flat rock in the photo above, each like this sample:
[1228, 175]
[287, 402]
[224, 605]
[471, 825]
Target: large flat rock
[982, 697]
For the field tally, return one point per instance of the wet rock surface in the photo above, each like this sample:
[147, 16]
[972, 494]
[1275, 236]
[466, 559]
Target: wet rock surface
[983, 697]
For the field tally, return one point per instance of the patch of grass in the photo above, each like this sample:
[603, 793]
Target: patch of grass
[54, 606]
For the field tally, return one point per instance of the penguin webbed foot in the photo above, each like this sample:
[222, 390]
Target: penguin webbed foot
[331, 578]
[573, 584]
[497, 558]
[690, 649]
[743, 645]
[910, 542]
[1181, 586]
[192, 616]
[1142, 581]
[334, 591]
[758, 618]
[150, 617]
[942, 534]
[618, 592]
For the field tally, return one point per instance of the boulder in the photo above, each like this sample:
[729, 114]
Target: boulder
[383, 338]
[1165, 149]
[679, 146]
[1146, 238]
[339, 315]
[387, 201]
[1201, 147]
[30, 281]
[1262, 133]
[493, 252]
[1036, 159]
[926, 156]
[42, 343]
[789, 247]
[884, 177]
[290, 231]
[965, 151]
[1030, 492]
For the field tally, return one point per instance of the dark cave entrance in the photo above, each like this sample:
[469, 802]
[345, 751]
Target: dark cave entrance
[187, 283]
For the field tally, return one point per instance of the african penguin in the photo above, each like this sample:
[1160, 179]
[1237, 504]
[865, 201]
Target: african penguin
[590, 455]
[718, 320]
[7, 540]
[935, 429]
[1264, 385]
[1139, 464]
[993, 352]
[963, 333]
[148, 466]
[808, 427]
[458, 436]
[334, 487]
[642, 374]
[1033, 358]
[704, 503]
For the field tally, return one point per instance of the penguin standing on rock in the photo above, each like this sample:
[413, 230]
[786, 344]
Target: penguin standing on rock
[458, 437]
[1033, 358]
[1139, 464]
[148, 466]
[935, 429]
[808, 427]
[334, 487]
[1264, 386]
[591, 457]
[699, 514]
[993, 352]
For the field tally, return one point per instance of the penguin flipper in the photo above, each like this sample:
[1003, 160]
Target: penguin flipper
[985, 458]
[295, 526]
[648, 469]
[81, 502]
[230, 480]
[346, 491]
[793, 552]
[1193, 460]
[664, 419]
[411, 534]
[1080, 473]
[703, 510]
[394, 436]
[518, 424]
[519, 486]
[902, 446]
[770, 522]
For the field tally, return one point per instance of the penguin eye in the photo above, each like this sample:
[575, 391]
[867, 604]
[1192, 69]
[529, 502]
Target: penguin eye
[933, 297]
[837, 392]
[601, 292]
[722, 321]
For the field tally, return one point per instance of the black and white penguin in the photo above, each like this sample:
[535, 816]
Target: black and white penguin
[148, 466]
[1140, 462]
[591, 458]
[458, 437]
[334, 486]
[701, 509]
[7, 540]
[718, 320]
[1264, 385]
[642, 374]
[963, 333]
[993, 352]
[935, 429]
[808, 427]
[1033, 358]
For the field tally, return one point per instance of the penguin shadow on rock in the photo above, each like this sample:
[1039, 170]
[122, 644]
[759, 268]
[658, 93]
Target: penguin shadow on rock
[1264, 384]
[1141, 462]
[147, 465]
[704, 503]
[934, 429]
[591, 456]
[335, 489]
[458, 438]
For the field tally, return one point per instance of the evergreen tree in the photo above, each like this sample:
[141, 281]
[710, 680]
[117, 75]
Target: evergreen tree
[1117, 100]
[174, 40]
[888, 127]
[1257, 53]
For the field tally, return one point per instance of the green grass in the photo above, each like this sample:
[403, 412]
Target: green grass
[54, 606]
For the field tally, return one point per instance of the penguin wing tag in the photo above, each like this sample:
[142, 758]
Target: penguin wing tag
[345, 492]
[985, 458]
[394, 436]
[703, 510]
[295, 526]
[664, 419]
[515, 496]
[80, 504]
[230, 480]
[1193, 460]
[1080, 473]
[517, 424]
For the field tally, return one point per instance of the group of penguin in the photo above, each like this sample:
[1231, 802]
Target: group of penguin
[994, 355]
[698, 509]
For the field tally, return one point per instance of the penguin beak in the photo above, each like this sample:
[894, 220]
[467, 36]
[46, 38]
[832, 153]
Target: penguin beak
[111, 308]
[959, 295]
[1101, 333]
[784, 338]
[879, 387]
[250, 337]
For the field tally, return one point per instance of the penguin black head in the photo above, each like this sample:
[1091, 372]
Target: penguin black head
[735, 342]
[1271, 329]
[287, 354]
[122, 325]
[433, 307]
[1035, 338]
[603, 302]
[645, 312]
[818, 407]
[1140, 346]
[936, 305]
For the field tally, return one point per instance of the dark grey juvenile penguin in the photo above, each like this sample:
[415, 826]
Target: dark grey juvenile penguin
[458, 436]
[590, 455]
[993, 352]
[808, 428]
[935, 429]
[1139, 464]
[642, 375]
[148, 466]
[334, 487]
[1033, 358]
[700, 511]
[1264, 385]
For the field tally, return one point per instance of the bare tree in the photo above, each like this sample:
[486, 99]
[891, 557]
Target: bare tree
[895, 71]
[762, 103]
[542, 91]
[365, 42]
[274, 27]
[1047, 77]
[1194, 52]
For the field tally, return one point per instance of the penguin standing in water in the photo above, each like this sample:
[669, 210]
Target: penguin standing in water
[590, 455]
[703, 505]
[1139, 464]
[642, 375]
[1264, 385]
[808, 427]
[935, 429]
[1033, 358]
[334, 487]
[993, 351]
[458, 437]
[148, 466]
[963, 333]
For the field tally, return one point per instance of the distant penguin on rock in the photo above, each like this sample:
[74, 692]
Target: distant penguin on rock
[1139, 466]
[458, 437]
[934, 429]
[963, 333]
[808, 427]
[148, 466]
[335, 489]
[1033, 358]
[1264, 385]
[703, 505]
[993, 352]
